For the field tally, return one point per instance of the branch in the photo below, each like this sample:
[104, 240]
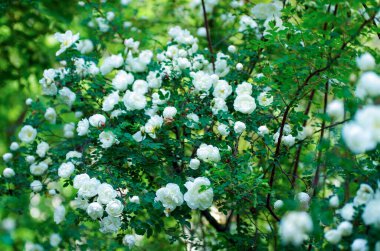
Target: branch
[215, 224]
[208, 35]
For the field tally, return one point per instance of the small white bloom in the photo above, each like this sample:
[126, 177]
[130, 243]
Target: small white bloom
[208, 153]
[363, 195]
[345, 228]
[14, 146]
[263, 130]
[265, 99]
[83, 126]
[334, 201]
[267, 10]
[368, 85]
[89, 188]
[68, 130]
[169, 112]
[42, 149]
[27, 134]
[223, 130]
[51, 115]
[67, 96]
[95, 210]
[66, 39]
[8, 172]
[199, 194]
[333, 236]
[134, 199]
[231, 49]
[194, 164]
[122, 79]
[59, 214]
[278, 204]
[357, 138]
[85, 46]
[222, 89]
[28, 101]
[239, 127]
[110, 224]
[140, 86]
[30, 159]
[245, 104]
[110, 63]
[106, 193]
[347, 212]
[80, 179]
[65, 170]
[366, 62]
[239, 66]
[38, 169]
[110, 101]
[359, 245]
[114, 208]
[371, 214]
[170, 196]
[294, 227]
[303, 199]
[335, 109]
[7, 157]
[288, 140]
[129, 240]
[36, 186]
[97, 120]
[134, 101]
[54, 240]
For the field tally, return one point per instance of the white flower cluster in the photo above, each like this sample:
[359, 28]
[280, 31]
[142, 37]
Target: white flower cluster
[367, 198]
[363, 133]
[96, 198]
[199, 195]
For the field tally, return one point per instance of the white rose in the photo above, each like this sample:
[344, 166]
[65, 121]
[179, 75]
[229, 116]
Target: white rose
[65, 170]
[154, 80]
[7, 157]
[36, 186]
[265, 99]
[199, 195]
[95, 210]
[366, 62]
[294, 227]
[38, 169]
[369, 119]
[345, 228]
[30, 159]
[222, 89]
[239, 127]
[42, 148]
[8, 172]
[140, 86]
[129, 240]
[54, 240]
[106, 193]
[67, 96]
[267, 10]
[110, 224]
[97, 120]
[208, 153]
[169, 112]
[80, 179]
[59, 214]
[347, 212]
[335, 109]
[89, 188]
[334, 201]
[357, 138]
[231, 49]
[288, 140]
[359, 245]
[244, 88]
[170, 196]
[114, 208]
[27, 134]
[368, 85]
[223, 130]
[134, 199]
[194, 164]
[107, 138]
[122, 80]
[363, 195]
[244, 104]
[278, 204]
[50, 115]
[333, 236]
[134, 101]
[371, 214]
[110, 63]
[68, 130]
[85, 46]
[66, 39]
[218, 104]
[14, 146]
[83, 126]
[110, 101]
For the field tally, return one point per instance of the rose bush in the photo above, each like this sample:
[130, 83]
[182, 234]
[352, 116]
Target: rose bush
[257, 141]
